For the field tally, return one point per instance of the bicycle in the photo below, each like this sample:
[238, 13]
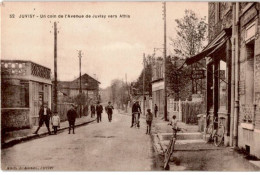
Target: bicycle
[216, 134]
[169, 151]
[136, 119]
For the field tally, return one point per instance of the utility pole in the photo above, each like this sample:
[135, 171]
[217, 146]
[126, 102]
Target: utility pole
[55, 97]
[80, 89]
[144, 85]
[165, 82]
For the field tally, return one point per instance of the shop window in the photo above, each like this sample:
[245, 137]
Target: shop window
[15, 94]
[247, 109]
[250, 47]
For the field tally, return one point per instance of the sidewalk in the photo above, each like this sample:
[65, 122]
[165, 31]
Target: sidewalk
[14, 137]
[191, 152]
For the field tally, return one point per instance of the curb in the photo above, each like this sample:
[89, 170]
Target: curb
[34, 136]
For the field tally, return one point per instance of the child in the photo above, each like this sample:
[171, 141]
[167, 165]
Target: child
[149, 119]
[55, 121]
[173, 122]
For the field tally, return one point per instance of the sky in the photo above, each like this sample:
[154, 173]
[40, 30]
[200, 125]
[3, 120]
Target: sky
[112, 47]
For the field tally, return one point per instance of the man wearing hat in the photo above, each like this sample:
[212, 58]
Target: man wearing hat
[72, 115]
[44, 117]
[99, 110]
[109, 110]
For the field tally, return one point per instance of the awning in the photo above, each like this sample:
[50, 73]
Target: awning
[205, 53]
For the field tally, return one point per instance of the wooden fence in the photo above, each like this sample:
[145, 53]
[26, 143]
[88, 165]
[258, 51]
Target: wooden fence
[64, 107]
[185, 111]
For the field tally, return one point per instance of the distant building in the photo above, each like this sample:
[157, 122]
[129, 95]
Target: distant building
[90, 87]
[158, 84]
[233, 71]
[25, 86]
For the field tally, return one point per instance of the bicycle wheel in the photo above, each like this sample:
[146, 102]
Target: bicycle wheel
[219, 135]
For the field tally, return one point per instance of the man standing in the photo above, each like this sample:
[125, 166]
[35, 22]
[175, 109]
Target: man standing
[93, 110]
[72, 115]
[109, 110]
[155, 110]
[44, 117]
[135, 109]
[99, 110]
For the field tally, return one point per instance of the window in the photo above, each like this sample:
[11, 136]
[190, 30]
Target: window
[250, 47]
[15, 94]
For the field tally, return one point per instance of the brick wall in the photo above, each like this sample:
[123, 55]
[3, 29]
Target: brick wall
[13, 119]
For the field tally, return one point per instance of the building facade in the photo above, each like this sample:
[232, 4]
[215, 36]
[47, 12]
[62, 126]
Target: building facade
[233, 72]
[89, 85]
[25, 86]
[158, 85]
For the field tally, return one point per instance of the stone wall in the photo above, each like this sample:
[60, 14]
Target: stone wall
[13, 119]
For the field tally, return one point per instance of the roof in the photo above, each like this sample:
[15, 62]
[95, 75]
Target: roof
[22, 61]
[87, 82]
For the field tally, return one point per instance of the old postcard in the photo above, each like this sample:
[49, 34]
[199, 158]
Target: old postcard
[130, 86]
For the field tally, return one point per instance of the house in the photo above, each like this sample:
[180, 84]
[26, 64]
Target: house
[89, 85]
[25, 86]
[233, 72]
[158, 85]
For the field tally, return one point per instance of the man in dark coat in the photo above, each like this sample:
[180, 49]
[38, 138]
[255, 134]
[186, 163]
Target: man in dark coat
[109, 110]
[99, 110]
[93, 110]
[135, 108]
[44, 117]
[72, 115]
[155, 110]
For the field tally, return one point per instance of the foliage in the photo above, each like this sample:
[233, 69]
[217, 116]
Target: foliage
[80, 99]
[119, 92]
[191, 34]
[178, 79]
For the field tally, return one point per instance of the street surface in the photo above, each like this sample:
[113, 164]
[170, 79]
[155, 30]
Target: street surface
[101, 146]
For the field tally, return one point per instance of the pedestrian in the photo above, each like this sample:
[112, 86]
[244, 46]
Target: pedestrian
[136, 108]
[44, 117]
[149, 119]
[109, 110]
[93, 110]
[155, 110]
[174, 122]
[72, 115]
[99, 110]
[55, 121]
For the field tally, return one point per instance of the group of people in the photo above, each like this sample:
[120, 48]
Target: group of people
[136, 109]
[47, 117]
[99, 110]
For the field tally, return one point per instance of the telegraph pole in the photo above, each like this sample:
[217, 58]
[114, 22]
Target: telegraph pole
[80, 89]
[144, 85]
[165, 82]
[55, 97]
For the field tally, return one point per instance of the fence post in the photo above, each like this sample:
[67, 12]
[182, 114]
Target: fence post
[180, 111]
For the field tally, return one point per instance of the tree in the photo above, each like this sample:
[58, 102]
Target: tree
[178, 80]
[191, 35]
[119, 93]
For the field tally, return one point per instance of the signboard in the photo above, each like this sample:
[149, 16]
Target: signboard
[198, 74]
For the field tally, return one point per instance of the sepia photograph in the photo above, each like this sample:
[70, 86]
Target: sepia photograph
[130, 86]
